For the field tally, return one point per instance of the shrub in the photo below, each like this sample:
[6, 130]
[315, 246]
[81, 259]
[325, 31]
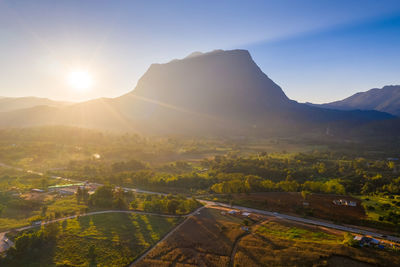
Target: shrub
[348, 239]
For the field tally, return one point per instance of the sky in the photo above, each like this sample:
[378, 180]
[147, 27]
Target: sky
[316, 50]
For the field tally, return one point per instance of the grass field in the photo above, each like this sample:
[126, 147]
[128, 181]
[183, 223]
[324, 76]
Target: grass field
[16, 215]
[210, 239]
[278, 243]
[204, 240]
[282, 231]
[103, 239]
[380, 206]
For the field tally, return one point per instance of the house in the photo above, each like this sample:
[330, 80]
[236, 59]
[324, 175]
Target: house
[246, 214]
[352, 203]
[367, 241]
[343, 202]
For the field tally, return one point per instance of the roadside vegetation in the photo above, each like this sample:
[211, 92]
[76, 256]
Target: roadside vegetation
[33, 207]
[382, 207]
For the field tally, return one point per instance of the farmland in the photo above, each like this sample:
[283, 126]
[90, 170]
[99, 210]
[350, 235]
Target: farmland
[205, 239]
[280, 243]
[103, 239]
[216, 238]
[110, 172]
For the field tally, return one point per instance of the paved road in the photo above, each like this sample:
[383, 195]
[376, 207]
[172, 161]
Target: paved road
[165, 237]
[6, 245]
[275, 214]
[307, 221]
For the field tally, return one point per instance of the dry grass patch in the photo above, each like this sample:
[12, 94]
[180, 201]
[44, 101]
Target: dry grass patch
[204, 240]
[282, 244]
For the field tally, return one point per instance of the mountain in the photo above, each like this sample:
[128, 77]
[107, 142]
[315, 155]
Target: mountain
[223, 91]
[220, 92]
[386, 99]
[15, 103]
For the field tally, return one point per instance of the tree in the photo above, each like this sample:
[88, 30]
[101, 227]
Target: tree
[103, 197]
[134, 204]
[51, 230]
[312, 186]
[288, 186]
[85, 195]
[120, 203]
[172, 205]
[79, 194]
[268, 185]
[334, 186]
[391, 165]
[305, 194]
[253, 183]
[44, 210]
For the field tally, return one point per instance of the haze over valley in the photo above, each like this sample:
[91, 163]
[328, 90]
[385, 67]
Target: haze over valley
[199, 133]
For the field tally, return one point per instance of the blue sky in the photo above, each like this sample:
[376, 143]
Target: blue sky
[318, 51]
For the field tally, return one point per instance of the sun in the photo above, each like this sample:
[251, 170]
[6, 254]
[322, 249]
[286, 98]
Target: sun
[80, 80]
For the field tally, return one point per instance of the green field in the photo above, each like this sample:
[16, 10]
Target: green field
[298, 234]
[380, 207]
[103, 240]
[18, 213]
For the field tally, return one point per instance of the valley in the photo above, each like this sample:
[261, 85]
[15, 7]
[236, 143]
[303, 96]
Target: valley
[199, 133]
[238, 179]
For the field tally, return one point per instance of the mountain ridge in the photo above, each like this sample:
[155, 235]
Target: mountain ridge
[385, 99]
[15, 103]
[219, 92]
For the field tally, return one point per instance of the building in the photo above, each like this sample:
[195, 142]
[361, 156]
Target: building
[364, 241]
[343, 202]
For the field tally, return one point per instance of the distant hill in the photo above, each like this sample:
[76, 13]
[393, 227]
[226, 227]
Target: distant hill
[386, 99]
[220, 92]
[14, 103]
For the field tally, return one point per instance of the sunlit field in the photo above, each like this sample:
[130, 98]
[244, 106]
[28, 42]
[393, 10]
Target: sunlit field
[199, 133]
[102, 240]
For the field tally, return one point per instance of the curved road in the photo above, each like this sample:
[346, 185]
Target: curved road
[6, 244]
[352, 229]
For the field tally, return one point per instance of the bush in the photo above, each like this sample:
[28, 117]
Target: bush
[348, 239]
